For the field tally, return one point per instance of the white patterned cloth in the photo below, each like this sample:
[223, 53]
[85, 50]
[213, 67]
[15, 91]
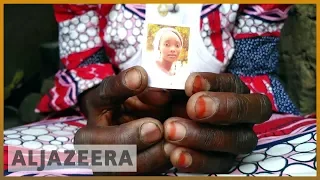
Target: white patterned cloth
[286, 147]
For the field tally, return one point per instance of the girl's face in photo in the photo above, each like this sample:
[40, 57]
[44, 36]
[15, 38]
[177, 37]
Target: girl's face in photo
[170, 46]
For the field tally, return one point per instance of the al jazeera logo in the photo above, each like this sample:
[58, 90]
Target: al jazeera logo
[99, 158]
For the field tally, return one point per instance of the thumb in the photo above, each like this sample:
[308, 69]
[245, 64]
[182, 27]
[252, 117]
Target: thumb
[114, 90]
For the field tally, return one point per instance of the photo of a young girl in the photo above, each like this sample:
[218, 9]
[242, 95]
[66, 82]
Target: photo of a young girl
[168, 44]
[166, 55]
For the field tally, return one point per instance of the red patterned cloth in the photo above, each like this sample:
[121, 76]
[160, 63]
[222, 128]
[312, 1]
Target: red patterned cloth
[237, 36]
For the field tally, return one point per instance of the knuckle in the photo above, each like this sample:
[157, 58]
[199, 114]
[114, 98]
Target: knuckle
[123, 137]
[235, 82]
[246, 106]
[211, 138]
[267, 104]
[239, 85]
[206, 137]
[230, 83]
[230, 103]
[226, 83]
[220, 83]
[236, 105]
[81, 136]
[266, 108]
[240, 105]
[126, 134]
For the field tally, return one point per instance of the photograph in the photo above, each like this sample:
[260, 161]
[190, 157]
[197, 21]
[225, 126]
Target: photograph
[165, 55]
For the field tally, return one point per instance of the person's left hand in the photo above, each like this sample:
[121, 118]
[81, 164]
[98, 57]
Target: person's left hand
[215, 124]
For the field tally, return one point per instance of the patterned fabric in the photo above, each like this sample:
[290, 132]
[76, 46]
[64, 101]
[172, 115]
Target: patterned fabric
[242, 38]
[256, 62]
[97, 58]
[255, 56]
[286, 147]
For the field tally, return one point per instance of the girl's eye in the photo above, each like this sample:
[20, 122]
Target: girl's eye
[167, 44]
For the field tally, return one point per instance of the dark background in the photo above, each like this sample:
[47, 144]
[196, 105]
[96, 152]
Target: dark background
[30, 46]
[30, 36]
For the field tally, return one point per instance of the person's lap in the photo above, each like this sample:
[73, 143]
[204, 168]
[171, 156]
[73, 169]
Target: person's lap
[286, 147]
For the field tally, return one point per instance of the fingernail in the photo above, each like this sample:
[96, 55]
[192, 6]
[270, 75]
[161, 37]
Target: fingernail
[133, 79]
[184, 160]
[176, 131]
[168, 148]
[150, 133]
[199, 84]
[205, 107]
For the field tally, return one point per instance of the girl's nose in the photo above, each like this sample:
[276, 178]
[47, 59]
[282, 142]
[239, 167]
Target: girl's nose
[173, 49]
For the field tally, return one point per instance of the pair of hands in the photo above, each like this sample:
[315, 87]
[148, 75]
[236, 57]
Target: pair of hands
[198, 130]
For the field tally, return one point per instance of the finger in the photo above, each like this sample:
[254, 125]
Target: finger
[155, 97]
[148, 163]
[229, 108]
[234, 139]
[143, 132]
[128, 117]
[153, 159]
[205, 81]
[187, 160]
[120, 116]
[114, 90]
[102, 119]
[135, 106]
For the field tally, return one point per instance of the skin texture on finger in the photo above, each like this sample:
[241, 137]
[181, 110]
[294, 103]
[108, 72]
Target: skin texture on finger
[152, 161]
[191, 161]
[134, 106]
[235, 139]
[204, 81]
[142, 132]
[229, 108]
[155, 97]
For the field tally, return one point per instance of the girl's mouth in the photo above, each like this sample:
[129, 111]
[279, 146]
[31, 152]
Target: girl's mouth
[172, 56]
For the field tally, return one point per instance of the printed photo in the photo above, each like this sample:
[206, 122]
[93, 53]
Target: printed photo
[165, 56]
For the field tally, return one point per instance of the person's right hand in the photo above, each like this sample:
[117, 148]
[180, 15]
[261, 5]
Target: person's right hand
[106, 124]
